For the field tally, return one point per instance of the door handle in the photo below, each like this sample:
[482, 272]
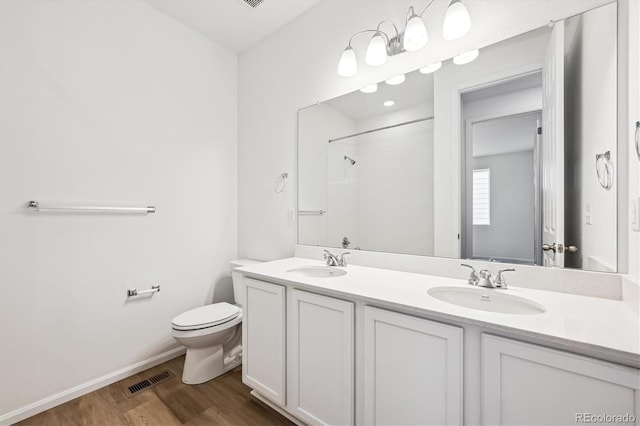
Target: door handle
[559, 248]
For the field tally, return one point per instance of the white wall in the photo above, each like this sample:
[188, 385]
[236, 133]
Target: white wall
[343, 189]
[107, 103]
[296, 67]
[319, 178]
[395, 183]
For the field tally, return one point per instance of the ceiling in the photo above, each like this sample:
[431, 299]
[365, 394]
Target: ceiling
[505, 135]
[416, 90]
[233, 23]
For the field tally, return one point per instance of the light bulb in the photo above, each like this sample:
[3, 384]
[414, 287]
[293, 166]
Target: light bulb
[348, 66]
[431, 68]
[415, 35]
[370, 88]
[466, 57]
[389, 103]
[457, 21]
[398, 79]
[377, 51]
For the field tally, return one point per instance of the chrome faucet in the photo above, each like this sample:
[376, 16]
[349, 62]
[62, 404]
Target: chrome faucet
[483, 278]
[333, 260]
[473, 278]
[500, 282]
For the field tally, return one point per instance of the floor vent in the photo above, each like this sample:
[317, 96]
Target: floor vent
[253, 3]
[149, 382]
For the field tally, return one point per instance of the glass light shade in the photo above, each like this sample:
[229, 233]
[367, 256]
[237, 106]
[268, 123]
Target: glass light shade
[348, 66]
[431, 68]
[415, 35]
[466, 57]
[457, 21]
[376, 51]
[398, 79]
[370, 88]
[389, 103]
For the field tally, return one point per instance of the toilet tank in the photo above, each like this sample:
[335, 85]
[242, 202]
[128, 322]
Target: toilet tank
[239, 292]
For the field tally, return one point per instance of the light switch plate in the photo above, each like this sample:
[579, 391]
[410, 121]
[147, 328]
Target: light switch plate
[587, 214]
[635, 214]
[291, 214]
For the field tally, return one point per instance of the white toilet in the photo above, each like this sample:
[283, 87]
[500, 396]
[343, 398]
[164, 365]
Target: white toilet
[212, 334]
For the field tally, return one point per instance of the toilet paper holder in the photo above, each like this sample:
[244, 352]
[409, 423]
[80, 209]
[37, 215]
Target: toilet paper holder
[133, 292]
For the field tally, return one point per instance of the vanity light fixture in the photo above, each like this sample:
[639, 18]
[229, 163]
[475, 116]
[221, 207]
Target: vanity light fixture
[372, 88]
[431, 68]
[457, 23]
[377, 51]
[466, 57]
[415, 34]
[389, 103]
[348, 65]
[394, 81]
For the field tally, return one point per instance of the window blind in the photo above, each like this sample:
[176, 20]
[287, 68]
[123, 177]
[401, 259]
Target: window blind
[481, 197]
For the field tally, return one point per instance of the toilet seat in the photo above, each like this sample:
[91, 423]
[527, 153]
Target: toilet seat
[205, 317]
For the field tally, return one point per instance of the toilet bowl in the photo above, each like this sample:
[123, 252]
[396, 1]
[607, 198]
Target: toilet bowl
[212, 335]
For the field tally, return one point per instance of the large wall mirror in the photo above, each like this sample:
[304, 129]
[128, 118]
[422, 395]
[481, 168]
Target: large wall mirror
[508, 158]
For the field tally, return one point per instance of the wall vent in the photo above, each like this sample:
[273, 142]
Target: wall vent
[253, 3]
[160, 377]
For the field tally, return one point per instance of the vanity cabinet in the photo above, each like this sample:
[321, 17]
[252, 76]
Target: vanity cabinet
[412, 370]
[533, 385]
[263, 339]
[329, 361]
[320, 363]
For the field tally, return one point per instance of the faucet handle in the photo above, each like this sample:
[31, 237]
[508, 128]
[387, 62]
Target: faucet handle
[342, 261]
[500, 281]
[473, 278]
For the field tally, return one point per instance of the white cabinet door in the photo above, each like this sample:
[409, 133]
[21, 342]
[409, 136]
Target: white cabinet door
[412, 370]
[321, 358]
[525, 384]
[263, 339]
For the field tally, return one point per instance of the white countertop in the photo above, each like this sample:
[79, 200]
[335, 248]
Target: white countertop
[603, 328]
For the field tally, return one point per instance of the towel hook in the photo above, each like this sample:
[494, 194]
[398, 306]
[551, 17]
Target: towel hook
[281, 183]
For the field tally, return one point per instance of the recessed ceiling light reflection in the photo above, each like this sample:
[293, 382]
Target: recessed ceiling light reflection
[431, 68]
[370, 88]
[398, 79]
[466, 57]
[389, 103]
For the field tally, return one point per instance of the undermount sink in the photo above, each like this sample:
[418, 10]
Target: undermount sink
[487, 300]
[318, 271]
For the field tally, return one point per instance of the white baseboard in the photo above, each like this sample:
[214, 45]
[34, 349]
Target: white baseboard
[84, 388]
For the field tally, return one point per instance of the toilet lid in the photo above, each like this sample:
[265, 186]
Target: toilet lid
[205, 316]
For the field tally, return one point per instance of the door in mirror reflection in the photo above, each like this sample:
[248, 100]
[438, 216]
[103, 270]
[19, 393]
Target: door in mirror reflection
[503, 215]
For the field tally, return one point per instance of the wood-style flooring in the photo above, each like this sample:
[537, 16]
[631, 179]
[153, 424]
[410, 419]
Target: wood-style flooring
[224, 400]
